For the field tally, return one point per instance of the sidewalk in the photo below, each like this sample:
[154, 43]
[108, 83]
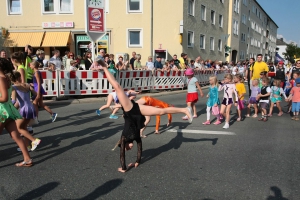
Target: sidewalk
[103, 99]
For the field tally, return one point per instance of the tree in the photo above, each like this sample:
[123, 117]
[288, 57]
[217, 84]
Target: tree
[292, 51]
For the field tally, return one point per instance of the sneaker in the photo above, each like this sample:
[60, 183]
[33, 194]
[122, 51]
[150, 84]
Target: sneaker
[185, 118]
[206, 123]
[98, 112]
[35, 143]
[254, 116]
[238, 119]
[293, 118]
[217, 122]
[296, 118]
[113, 117]
[54, 115]
[226, 126]
[190, 111]
[36, 121]
[247, 115]
[28, 148]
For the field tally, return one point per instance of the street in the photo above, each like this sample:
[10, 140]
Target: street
[250, 160]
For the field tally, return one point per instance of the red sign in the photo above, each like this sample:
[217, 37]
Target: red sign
[95, 20]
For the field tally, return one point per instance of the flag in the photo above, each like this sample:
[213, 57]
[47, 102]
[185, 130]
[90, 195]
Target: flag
[278, 58]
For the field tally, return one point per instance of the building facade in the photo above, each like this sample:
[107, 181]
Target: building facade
[49, 25]
[258, 32]
[148, 27]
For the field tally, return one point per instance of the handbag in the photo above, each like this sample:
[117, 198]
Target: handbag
[215, 110]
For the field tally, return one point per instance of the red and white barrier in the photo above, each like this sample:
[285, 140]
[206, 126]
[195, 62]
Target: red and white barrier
[50, 83]
[67, 83]
[168, 80]
[136, 80]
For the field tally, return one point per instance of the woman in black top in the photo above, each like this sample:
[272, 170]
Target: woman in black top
[134, 116]
[88, 60]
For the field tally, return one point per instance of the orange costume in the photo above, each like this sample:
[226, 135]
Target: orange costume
[150, 101]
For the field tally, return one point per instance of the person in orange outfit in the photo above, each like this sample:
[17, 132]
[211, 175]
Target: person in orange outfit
[150, 101]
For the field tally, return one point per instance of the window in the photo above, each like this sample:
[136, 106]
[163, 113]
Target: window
[134, 5]
[221, 20]
[211, 43]
[57, 6]
[253, 9]
[190, 38]
[245, 2]
[191, 7]
[14, 7]
[236, 6]
[243, 37]
[203, 13]
[220, 45]
[212, 17]
[222, 1]
[244, 19]
[135, 38]
[235, 27]
[202, 41]
[242, 55]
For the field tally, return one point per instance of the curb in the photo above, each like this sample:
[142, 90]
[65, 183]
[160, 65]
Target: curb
[103, 99]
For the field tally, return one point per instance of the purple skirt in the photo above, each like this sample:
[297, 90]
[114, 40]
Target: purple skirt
[36, 88]
[27, 112]
[252, 100]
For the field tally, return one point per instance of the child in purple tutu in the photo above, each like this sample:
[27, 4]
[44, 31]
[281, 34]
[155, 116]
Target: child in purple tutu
[255, 90]
[26, 109]
[37, 83]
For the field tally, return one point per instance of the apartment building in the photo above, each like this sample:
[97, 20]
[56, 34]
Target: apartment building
[205, 25]
[258, 32]
[45, 24]
[148, 27]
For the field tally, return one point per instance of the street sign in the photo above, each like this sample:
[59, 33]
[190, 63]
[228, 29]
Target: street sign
[95, 24]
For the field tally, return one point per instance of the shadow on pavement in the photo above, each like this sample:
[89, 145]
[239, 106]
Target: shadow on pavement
[103, 189]
[40, 191]
[277, 194]
[175, 143]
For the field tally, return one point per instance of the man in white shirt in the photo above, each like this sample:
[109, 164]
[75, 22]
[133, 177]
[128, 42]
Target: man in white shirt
[56, 60]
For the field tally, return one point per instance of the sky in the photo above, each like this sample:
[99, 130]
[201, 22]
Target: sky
[286, 14]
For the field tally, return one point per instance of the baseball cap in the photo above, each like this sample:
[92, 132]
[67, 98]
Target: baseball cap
[281, 62]
[297, 80]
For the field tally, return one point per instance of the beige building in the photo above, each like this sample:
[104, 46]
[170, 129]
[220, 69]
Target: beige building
[148, 27]
[49, 25]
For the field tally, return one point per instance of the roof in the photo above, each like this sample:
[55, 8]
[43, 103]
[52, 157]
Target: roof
[280, 42]
[266, 13]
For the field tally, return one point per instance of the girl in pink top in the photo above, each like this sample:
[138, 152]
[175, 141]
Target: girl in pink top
[95, 66]
[229, 89]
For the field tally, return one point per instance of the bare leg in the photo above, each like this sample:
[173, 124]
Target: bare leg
[194, 108]
[108, 102]
[228, 107]
[22, 128]
[115, 111]
[151, 111]
[41, 104]
[271, 109]
[11, 127]
[255, 109]
[148, 118]
[222, 110]
[279, 108]
[248, 109]
[124, 100]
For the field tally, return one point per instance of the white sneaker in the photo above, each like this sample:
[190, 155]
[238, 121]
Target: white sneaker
[35, 143]
[190, 111]
[226, 126]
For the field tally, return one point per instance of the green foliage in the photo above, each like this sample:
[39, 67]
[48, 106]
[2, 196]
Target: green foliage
[292, 51]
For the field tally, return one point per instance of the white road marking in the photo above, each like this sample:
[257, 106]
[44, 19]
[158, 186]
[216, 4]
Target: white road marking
[200, 132]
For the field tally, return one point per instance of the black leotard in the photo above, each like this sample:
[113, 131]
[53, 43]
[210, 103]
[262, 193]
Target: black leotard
[134, 122]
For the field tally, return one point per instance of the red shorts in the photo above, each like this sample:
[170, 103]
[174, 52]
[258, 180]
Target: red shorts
[192, 97]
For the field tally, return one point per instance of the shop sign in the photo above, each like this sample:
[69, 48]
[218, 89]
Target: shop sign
[58, 24]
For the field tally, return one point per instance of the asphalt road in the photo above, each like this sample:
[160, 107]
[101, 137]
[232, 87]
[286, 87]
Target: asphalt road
[251, 160]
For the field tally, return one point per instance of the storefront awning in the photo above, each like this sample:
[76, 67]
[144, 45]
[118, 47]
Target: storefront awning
[56, 39]
[22, 39]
